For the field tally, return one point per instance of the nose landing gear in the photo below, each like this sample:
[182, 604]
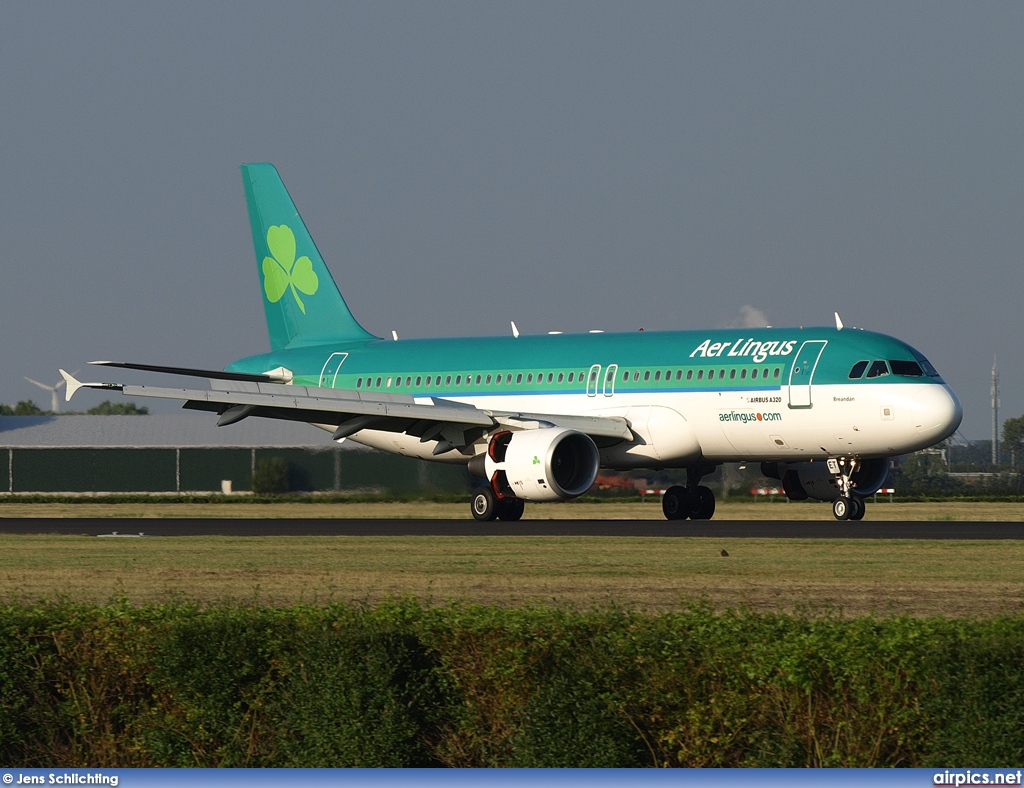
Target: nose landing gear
[849, 505]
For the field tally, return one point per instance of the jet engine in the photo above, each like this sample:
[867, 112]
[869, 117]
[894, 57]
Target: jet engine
[548, 464]
[803, 480]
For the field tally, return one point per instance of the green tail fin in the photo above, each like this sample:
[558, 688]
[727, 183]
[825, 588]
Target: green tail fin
[302, 302]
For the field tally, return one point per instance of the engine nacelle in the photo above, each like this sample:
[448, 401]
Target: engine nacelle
[549, 464]
[802, 480]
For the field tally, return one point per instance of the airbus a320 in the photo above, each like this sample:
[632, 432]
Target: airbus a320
[535, 417]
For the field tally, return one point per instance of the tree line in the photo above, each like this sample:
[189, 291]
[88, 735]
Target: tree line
[27, 407]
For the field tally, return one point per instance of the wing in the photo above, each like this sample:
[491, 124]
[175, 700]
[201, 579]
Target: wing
[452, 424]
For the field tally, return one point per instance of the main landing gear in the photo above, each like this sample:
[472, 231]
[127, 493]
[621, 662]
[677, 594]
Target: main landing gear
[487, 506]
[849, 505]
[694, 501]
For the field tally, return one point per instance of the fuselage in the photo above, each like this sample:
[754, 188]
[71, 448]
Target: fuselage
[787, 394]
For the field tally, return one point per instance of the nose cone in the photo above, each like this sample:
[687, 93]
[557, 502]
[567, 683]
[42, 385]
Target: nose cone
[937, 413]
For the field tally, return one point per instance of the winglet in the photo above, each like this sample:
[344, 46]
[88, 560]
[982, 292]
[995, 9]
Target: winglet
[73, 385]
[839, 322]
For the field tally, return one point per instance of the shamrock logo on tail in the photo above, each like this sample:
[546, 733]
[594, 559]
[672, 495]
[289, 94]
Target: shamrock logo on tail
[283, 271]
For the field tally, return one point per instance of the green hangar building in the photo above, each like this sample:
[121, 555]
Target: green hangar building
[187, 453]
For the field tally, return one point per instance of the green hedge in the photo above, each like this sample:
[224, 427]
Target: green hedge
[401, 685]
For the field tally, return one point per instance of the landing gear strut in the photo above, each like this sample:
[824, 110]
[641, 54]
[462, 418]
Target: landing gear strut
[849, 505]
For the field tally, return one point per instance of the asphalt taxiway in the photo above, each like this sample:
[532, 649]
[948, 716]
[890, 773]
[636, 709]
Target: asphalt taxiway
[733, 529]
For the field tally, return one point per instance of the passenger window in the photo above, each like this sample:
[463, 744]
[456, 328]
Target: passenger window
[778, 371]
[657, 375]
[519, 378]
[721, 374]
[753, 373]
[448, 380]
[529, 378]
[551, 376]
[679, 374]
[359, 383]
[571, 376]
[458, 380]
[700, 374]
[636, 375]
[560, 376]
[711, 374]
[508, 378]
[497, 380]
[647, 376]
[689, 374]
[625, 376]
[487, 380]
[732, 374]
[908, 369]
[419, 380]
[878, 369]
[478, 380]
[858, 370]
[743, 374]
[378, 382]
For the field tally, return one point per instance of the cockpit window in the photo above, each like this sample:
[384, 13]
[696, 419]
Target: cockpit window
[858, 370]
[929, 370]
[910, 369]
[878, 369]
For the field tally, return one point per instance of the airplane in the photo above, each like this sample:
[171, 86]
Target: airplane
[535, 417]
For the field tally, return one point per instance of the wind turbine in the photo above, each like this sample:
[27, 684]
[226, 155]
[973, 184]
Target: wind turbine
[54, 399]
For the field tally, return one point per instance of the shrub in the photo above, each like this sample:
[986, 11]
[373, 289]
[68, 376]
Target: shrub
[270, 477]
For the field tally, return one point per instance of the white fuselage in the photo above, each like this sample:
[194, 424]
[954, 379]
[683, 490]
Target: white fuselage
[673, 429]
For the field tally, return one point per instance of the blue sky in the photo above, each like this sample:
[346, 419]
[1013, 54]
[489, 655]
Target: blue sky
[567, 166]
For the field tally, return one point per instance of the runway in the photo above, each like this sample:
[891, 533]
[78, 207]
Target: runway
[733, 529]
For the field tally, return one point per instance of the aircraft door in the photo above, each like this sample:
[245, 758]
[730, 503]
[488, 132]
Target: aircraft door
[592, 380]
[329, 374]
[609, 379]
[802, 372]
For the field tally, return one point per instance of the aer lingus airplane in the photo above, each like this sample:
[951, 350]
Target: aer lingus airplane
[535, 417]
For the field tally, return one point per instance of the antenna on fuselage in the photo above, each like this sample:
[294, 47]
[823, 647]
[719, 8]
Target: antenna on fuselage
[839, 322]
[515, 330]
[394, 335]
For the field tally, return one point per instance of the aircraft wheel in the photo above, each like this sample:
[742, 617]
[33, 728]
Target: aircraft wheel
[511, 509]
[842, 508]
[857, 508]
[676, 503]
[704, 504]
[484, 504]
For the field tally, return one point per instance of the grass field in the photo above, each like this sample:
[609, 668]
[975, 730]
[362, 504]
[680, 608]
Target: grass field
[573, 510]
[856, 576]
